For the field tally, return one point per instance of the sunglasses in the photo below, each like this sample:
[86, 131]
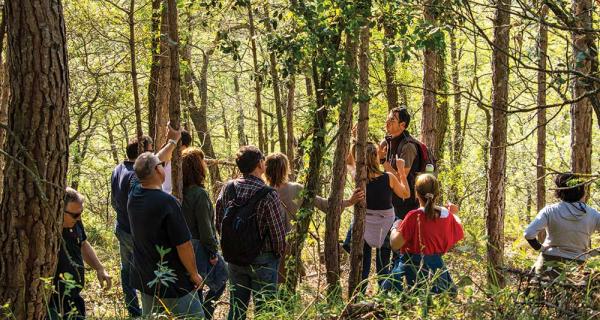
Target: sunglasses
[74, 215]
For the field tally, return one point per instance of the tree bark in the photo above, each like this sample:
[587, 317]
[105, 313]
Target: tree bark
[174, 96]
[542, 47]
[257, 80]
[497, 169]
[429, 130]
[164, 78]
[37, 149]
[111, 140]
[154, 66]
[276, 89]
[585, 62]
[134, 80]
[289, 119]
[442, 107]
[389, 66]
[338, 176]
[360, 209]
[242, 141]
[457, 145]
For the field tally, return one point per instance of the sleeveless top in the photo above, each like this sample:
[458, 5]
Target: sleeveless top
[379, 193]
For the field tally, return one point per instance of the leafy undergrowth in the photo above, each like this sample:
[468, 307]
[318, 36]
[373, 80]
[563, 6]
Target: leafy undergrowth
[466, 262]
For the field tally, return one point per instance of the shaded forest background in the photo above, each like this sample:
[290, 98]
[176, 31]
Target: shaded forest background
[290, 76]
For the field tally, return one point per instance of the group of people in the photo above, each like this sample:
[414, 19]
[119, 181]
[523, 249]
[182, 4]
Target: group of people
[169, 249]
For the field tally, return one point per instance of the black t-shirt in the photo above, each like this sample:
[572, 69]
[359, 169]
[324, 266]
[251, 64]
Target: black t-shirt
[398, 146]
[157, 221]
[70, 259]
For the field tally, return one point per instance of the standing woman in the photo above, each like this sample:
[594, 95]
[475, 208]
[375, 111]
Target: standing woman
[423, 237]
[380, 211]
[200, 217]
[569, 226]
[277, 172]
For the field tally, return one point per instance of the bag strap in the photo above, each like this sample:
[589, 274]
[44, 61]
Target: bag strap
[258, 195]
[230, 191]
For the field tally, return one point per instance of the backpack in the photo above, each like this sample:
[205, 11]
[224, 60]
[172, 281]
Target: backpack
[424, 154]
[241, 239]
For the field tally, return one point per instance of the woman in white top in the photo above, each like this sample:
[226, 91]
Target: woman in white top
[569, 226]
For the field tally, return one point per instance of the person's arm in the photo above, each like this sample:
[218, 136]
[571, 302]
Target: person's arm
[185, 251]
[538, 224]
[400, 189]
[166, 152]
[408, 154]
[220, 208]
[205, 225]
[396, 239]
[272, 214]
[90, 257]
[357, 195]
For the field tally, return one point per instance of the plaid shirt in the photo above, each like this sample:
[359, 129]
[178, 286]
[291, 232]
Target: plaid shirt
[270, 213]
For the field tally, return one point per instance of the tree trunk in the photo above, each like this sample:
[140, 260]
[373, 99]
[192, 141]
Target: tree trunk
[497, 170]
[257, 80]
[242, 141]
[457, 145]
[338, 176]
[154, 66]
[164, 78]
[289, 119]
[542, 47]
[389, 66]
[360, 209]
[134, 82]
[174, 96]
[111, 140]
[276, 89]
[442, 107]
[585, 62]
[36, 170]
[429, 131]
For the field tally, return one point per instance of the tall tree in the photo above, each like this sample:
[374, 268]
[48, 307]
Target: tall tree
[154, 65]
[457, 145]
[257, 79]
[389, 62]
[360, 209]
[242, 141]
[37, 150]
[542, 48]
[134, 81]
[174, 97]
[497, 168]
[289, 120]
[276, 88]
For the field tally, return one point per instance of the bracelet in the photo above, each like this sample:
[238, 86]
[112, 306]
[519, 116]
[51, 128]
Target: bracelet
[173, 141]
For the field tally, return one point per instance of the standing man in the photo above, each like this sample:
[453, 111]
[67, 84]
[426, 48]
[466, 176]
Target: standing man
[397, 145]
[161, 242]
[259, 279]
[66, 301]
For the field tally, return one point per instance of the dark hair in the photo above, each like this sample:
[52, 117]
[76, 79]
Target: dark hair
[132, 147]
[427, 188]
[72, 195]
[186, 138]
[573, 190]
[248, 158]
[277, 169]
[193, 167]
[402, 114]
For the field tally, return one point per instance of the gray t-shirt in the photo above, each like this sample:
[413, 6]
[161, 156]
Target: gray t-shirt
[569, 228]
[289, 193]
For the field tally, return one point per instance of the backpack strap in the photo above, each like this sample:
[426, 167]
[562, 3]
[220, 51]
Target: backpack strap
[230, 192]
[259, 195]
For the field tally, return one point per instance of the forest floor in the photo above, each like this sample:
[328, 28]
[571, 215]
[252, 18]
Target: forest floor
[466, 263]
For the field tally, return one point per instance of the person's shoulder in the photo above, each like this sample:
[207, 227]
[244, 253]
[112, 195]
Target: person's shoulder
[413, 213]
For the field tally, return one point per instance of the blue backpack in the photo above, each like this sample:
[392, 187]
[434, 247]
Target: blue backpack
[241, 239]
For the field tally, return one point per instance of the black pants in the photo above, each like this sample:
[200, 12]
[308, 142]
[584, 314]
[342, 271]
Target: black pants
[67, 306]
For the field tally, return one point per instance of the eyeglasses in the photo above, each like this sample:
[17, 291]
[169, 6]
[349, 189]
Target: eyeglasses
[74, 215]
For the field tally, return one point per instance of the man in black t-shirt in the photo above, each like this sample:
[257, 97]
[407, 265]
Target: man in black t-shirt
[161, 241]
[70, 273]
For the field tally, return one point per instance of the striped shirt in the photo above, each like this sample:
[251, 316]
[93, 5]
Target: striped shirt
[270, 214]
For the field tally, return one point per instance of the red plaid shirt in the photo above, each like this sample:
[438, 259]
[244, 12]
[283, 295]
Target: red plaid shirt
[269, 212]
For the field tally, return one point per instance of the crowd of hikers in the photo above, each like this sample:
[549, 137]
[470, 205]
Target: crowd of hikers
[173, 261]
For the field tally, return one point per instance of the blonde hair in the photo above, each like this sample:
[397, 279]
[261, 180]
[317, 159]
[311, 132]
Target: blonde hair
[427, 188]
[277, 170]
[372, 160]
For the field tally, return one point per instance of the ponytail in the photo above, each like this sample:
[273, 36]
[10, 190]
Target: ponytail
[427, 188]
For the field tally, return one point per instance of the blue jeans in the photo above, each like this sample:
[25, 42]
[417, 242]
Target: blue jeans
[186, 306]
[420, 271]
[215, 277]
[126, 252]
[382, 259]
[258, 279]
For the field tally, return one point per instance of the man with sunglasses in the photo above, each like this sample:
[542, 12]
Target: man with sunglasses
[161, 239]
[66, 301]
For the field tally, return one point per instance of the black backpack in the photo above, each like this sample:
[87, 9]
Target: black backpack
[241, 239]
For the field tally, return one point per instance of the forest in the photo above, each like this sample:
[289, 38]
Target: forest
[504, 93]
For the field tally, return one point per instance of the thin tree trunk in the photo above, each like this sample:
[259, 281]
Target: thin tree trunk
[360, 209]
[429, 130]
[338, 176]
[154, 66]
[174, 96]
[276, 89]
[164, 79]
[497, 170]
[289, 118]
[240, 118]
[542, 47]
[442, 107]
[111, 140]
[389, 66]
[134, 80]
[585, 62]
[457, 145]
[36, 170]
[257, 80]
